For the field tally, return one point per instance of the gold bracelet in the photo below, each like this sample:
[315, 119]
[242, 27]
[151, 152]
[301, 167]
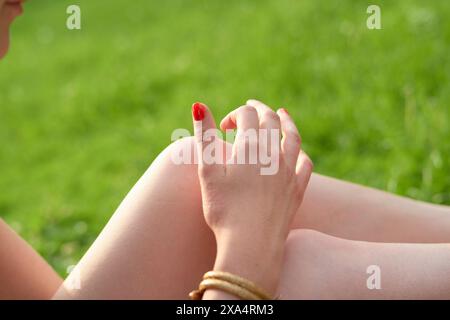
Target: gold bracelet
[225, 286]
[229, 283]
[244, 283]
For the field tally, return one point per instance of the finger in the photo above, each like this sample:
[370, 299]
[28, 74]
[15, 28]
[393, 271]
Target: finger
[205, 131]
[245, 146]
[270, 125]
[244, 117]
[228, 123]
[291, 141]
[303, 170]
[256, 103]
[268, 119]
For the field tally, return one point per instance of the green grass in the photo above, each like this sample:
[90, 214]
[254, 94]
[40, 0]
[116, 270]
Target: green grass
[83, 113]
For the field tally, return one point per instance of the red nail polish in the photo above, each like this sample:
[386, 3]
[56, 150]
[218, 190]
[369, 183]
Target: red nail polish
[198, 111]
[285, 110]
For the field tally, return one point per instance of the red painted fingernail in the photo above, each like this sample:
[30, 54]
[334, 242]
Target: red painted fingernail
[285, 110]
[198, 111]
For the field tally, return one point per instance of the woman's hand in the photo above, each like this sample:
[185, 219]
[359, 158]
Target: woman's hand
[250, 213]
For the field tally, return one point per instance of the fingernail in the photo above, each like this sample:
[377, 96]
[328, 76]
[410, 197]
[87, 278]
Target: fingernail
[285, 110]
[198, 111]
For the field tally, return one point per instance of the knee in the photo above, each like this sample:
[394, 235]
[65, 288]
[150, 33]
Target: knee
[310, 258]
[314, 246]
[305, 241]
[181, 151]
[306, 247]
[178, 158]
[167, 175]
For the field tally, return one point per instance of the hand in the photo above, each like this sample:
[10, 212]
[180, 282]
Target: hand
[250, 213]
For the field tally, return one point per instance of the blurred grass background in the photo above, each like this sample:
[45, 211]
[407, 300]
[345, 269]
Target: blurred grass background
[83, 113]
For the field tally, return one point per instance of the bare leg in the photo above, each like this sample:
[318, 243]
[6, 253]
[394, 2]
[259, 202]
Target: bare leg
[157, 244]
[23, 273]
[355, 212]
[319, 266]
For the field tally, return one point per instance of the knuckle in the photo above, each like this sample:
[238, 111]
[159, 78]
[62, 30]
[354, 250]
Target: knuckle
[270, 115]
[308, 163]
[248, 109]
[294, 137]
[253, 101]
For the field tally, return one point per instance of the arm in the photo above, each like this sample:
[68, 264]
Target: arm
[254, 259]
[250, 213]
[23, 273]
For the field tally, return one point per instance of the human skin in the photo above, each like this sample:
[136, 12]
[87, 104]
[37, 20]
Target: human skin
[9, 10]
[320, 266]
[23, 273]
[157, 245]
[249, 213]
[393, 257]
[173, 246]
[186, 242]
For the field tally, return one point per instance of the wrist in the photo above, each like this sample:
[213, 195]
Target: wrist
[254, 258]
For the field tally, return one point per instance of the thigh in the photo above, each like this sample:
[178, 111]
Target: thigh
[355, 212]
[156, 245]
[319, 266]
